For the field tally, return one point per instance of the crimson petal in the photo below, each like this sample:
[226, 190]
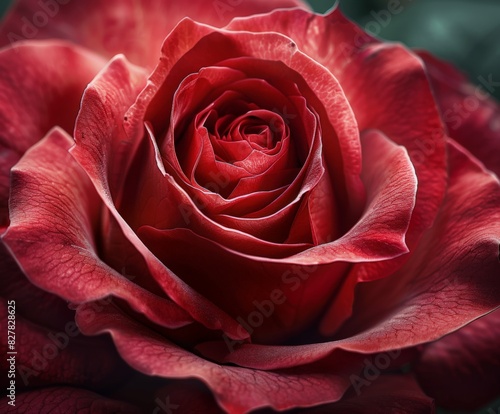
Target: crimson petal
[54, 209]
[461, 370]
[41, 84]
[62, 400]
[121, 26]
[154, 355]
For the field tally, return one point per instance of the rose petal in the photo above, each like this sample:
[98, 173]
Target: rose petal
[472, 117]
[389, 394]
[188, 397]
[41, 84]
[105, 152]
[32, 303]
[339, 114]
[118, 26]
[390, 180]
[153, 355]
[62, 400]
[461, 369]
[291, 296]
[54, 356]
[454, 273]
[53, 211]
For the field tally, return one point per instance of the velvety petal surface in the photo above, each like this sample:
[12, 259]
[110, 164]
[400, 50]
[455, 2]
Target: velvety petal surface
[62, 355]
[63, 400]
[135, 28]
[41, 85]
[461, 370]
[237, 390]
[54, 210]
[471, 114]
[389, 394]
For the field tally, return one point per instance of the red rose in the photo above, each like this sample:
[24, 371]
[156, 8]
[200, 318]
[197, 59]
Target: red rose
[275, 208]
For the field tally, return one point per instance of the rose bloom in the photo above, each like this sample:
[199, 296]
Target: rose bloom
[208, 214]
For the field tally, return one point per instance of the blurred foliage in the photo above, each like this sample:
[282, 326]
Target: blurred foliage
[464, 32]
[4, 4]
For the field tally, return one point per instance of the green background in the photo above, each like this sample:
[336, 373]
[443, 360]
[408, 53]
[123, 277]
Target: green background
[464, 32]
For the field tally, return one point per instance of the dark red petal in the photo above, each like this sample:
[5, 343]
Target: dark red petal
[292, 296]
[62, 355]
[461, 370]
[135, 28]
[32, 303]
[389, 394]
[41, 85]
[63, 400]
[105, 152]
[188, 397]
[54, 209]
[237, 390]
[471, 115]
[44, 324]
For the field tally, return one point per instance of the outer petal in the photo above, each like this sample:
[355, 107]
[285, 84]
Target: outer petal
[41, 85]
[62, 355]
[454, 273]
[471, 115]
[53, 212]
[237, 390]
[389, 394]
[45, 325]
[63, 400]
[462, 370]
[135, 28]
